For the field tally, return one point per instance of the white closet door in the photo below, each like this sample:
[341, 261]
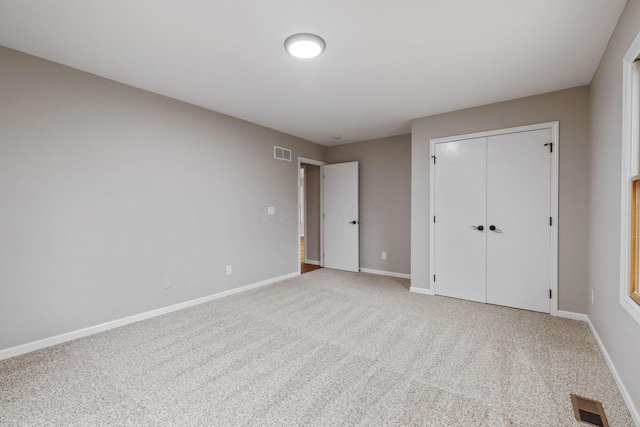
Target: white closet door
[460, 205]
[519, 206]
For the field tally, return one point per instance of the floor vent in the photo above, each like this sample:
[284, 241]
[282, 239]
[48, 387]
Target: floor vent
[589, 411]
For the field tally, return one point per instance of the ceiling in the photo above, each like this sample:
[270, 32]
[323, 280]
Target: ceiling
[386, 62]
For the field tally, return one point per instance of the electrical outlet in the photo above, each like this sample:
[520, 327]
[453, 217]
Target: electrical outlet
[167, 282]
[593, 299]
[229, 270]
[384, 255]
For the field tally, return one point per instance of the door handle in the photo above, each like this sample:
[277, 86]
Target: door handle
[479, 227]
[494, 228]
[353, 222]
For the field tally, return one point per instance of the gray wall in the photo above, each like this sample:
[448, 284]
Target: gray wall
[619, 332]
[385, 200]
[105, 189]
[312, 200]
[571, 108]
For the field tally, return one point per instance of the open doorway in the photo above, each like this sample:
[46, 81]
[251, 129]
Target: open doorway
[309, 215]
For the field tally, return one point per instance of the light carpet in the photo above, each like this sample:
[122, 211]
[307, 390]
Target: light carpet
[326, 348]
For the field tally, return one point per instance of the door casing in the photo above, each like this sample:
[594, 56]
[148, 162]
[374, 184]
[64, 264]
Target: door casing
[301, 161]
[554, 128]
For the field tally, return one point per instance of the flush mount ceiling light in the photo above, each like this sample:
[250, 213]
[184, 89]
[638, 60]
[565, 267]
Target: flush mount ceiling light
[304, 46]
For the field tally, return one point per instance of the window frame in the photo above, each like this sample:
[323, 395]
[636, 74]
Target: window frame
[629, 286]
[634, 290]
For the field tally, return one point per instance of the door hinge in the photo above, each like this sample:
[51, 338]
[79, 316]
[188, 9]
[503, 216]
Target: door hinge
[550, 144]
[549, 293]
[434, 159]
[434, 277]
[434, 219]
[551, 221]
[322, 216]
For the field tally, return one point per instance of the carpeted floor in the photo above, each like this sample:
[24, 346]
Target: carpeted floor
[326, 348]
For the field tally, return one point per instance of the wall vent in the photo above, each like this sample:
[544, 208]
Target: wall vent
[281, 153]
[589, 411]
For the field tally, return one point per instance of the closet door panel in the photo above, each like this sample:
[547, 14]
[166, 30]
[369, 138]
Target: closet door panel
[519, 207]
[460, 205]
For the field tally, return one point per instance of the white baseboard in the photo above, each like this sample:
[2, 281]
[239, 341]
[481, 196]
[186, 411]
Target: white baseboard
[69, 336]
[573, 316]
[623, 390]
[312, 262]
[614, 372]
[421, 291]
[386, 273]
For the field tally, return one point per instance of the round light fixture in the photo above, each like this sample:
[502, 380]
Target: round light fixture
[304, 46]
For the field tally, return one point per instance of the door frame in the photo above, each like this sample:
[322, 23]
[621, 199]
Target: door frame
[554, 127]
[301, 161]
[302, 207]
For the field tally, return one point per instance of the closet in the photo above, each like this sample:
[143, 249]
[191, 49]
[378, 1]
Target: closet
[494, 208]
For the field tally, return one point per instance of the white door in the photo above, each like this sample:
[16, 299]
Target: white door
[341, 220]
[519, 208]
[493, 235]
[460, 209]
